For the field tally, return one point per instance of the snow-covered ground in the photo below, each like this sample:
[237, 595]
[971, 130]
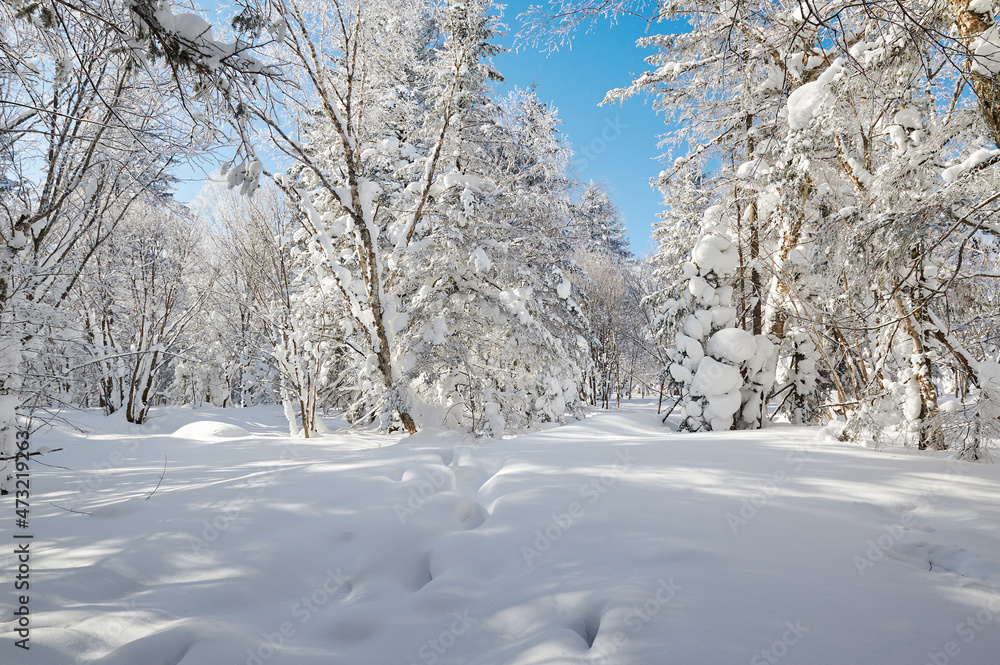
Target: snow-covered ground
[606, 540]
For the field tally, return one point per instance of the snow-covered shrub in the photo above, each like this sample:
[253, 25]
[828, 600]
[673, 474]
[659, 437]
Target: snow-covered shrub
[973, 423]
[711, 355]
[492, 338]
[800, 377]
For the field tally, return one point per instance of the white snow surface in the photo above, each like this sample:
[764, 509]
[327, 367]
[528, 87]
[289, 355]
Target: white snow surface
[210, 429]
[715, 378]
[564, 289]
[716, 253]
[805, 101]
[986, 52]
[953, 173]
[734, 345]
[607, 540]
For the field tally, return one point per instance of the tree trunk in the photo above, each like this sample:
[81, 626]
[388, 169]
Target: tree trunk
[755, 282]
[972, 24]
[929, 433]
[775, 315]
[11, 355]
[8, 435]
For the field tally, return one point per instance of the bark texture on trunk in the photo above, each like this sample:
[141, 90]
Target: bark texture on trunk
[929, 433]
[972, 24]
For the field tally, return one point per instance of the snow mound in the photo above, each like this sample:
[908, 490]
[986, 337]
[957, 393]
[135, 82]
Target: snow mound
[953, 173]
[210, 429]
[605, 540]
[947, 558]
[808, 100]
[732, 344]
[986, 48]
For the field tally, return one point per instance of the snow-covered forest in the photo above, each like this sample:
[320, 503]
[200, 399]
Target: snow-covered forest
[397, 246]
[386, 238]
[391, 238]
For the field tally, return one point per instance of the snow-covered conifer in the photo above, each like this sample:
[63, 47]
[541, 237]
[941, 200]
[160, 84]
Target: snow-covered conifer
[709, 350]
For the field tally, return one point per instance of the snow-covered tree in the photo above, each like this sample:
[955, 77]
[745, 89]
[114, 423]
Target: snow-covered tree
[139, 294]
[851, 146]
[712, 358]
[433, 217]
[99, 98]
[602, 222]
[79, 138]
[625, 359]
[291, 346]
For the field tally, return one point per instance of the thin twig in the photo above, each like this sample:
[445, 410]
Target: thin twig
[53, 466]
[69, 510]
[37, 452]
[666, 414]
[160, 480]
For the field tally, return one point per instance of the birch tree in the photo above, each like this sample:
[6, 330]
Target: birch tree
[403, 186]
[851, 147]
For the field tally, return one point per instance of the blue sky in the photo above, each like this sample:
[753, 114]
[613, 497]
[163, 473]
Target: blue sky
[615, 145]
[575, 80]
